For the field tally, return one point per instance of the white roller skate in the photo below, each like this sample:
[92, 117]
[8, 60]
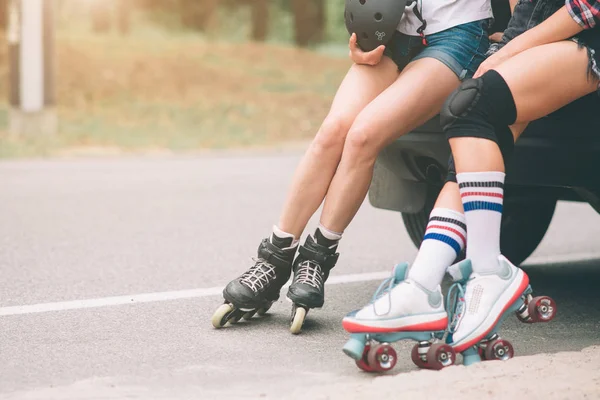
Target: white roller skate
[400, 309]
[478, 303]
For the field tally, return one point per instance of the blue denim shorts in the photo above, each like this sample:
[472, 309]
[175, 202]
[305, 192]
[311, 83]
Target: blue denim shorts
[462, 48]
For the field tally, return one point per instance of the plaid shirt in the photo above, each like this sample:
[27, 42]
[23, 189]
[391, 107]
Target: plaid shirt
[585, 12]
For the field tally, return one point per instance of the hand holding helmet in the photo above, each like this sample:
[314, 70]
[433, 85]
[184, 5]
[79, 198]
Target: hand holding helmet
[373, 21]
[365, 58]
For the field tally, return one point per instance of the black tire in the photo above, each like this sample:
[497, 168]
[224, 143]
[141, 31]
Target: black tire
[525, 221]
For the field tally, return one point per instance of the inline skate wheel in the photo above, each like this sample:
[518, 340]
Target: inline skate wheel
[297, 320]
[222, 315]
[248, 316]
[262, 311]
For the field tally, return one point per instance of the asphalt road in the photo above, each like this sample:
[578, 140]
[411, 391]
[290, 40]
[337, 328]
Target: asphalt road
[80, 232]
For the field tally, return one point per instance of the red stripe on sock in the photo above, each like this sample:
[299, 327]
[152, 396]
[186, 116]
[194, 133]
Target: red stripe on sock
[488, 194]
[458, 233]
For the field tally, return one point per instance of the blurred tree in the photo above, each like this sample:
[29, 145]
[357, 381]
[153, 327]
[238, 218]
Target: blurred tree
[3, 15]
[106, 13]
[309, 21]
[124, 15]
[260, 19]
[199, 14]
[100, 16]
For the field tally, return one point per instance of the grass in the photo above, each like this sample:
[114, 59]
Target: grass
[178, 92]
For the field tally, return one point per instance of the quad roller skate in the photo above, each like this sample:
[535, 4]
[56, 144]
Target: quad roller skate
[373, 352]
[527, 308]
[311, 270]
[258, 288]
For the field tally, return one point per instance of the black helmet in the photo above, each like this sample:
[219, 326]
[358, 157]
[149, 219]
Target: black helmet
[373, 21]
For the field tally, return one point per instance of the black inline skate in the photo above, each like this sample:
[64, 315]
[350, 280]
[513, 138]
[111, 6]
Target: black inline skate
[311, 270]
[258, 288]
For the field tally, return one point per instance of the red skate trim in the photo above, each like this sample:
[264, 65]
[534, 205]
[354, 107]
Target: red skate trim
[355, 327]
[462, 347]
[458, 233]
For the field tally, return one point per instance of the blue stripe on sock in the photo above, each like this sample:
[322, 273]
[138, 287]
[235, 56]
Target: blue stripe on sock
[482, 205]
[446, 239]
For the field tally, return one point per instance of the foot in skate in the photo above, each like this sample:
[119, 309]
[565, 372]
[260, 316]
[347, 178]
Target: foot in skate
[483, 301]
[311, 270]
[400, 309]
[258, 288]
[399, 304]
[488, 345]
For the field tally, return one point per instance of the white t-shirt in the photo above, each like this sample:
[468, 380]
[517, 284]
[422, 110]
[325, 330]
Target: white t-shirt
[443, 14]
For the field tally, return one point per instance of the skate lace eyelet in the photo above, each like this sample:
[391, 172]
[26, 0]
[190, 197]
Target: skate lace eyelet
[310, 273]
[384, 289]
[259, 275]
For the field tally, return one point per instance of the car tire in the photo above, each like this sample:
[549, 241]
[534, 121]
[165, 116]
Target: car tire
[525, 221]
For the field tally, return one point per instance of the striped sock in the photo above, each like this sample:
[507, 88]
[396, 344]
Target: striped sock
[482, 194]
[444, 240]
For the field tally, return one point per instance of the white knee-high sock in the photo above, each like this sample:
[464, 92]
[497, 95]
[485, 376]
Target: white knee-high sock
[482, 195]
[443, 241]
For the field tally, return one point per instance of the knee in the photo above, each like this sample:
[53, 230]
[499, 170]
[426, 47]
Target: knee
[331, 135]
[361, 142]
[460, 102]
[485, 100]
[481, 108]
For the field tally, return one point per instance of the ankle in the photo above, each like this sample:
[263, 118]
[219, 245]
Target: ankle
[326, 237]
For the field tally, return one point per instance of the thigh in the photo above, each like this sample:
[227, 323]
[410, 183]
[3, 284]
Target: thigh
[416, 96]
[360, 86]
[545, 78]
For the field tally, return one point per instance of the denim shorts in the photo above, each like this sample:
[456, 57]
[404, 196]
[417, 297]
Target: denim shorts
[462, 48]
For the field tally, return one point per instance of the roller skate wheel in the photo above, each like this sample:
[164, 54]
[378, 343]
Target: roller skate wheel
[440, 356]
[248, 316]
[542, 309]
[363, 362]
[382, 357]
[416, 357]
[221, 316]
[499, 349]
[298, 315]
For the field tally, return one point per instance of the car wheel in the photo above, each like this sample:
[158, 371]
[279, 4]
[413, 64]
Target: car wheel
[525, 221]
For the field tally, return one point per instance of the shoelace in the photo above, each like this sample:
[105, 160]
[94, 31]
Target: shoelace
[258, 275]
[310, 273]
[455, 301]
[384, 289]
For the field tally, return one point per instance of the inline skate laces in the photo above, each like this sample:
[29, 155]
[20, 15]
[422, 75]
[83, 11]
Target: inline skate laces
[311, 274]
[259, 275]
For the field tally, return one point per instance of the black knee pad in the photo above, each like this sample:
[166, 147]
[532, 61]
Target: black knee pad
[481, 108]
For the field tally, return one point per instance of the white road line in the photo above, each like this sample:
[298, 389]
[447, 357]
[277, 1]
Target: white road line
[561, 258]
[161, 296]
